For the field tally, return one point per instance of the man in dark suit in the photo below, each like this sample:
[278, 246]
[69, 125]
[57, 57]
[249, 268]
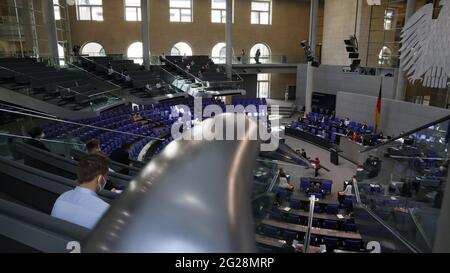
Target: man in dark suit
[36, 135]
[122, 155]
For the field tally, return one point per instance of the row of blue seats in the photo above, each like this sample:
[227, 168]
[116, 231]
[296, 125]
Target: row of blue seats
[315, 240]
[319, 223]
[325, 185]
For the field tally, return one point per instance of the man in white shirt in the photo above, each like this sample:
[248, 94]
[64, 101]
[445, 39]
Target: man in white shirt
[347, 122]
[285, 185]
[82, 206]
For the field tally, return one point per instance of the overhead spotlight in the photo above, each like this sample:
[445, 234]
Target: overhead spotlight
[353, 55]
[351, 46]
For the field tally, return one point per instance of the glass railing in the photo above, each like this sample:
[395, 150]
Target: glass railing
[402, 181]
[271, 59]
[111, 129]
[84, 91]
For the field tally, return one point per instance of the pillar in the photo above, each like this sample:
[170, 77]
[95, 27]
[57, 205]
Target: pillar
[48, 13]
[314, 13]
[400, 92]
[229, 38]
[145, 33]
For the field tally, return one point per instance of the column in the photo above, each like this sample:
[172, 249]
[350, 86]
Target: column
[229, 38]
[49, 16]
[312, 42]
[145, 33]
[402, 81]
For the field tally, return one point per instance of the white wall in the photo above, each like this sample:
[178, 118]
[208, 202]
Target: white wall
[396, 116]
[330, 79]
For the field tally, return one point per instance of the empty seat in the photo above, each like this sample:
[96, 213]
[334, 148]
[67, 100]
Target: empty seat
[326, 186]
[295, 204]
[331, 242]
[294, 219]
[330, 224]
[350, 227]
[289, 235]
[270, 231]
[352, 245]
[332, 209]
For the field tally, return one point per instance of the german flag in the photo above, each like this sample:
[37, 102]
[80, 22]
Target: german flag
[378, 109]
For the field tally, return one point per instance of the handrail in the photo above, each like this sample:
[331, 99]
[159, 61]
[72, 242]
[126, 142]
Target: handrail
[312, 201]
[184, 71]
[79, 124]
[94, 76]
[99, 65]
[33, 78]
[408, 133]
[43, 139]
[203, 202]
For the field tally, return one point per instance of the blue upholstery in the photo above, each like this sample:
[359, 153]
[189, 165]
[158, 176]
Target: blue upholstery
[317, 209]
[332, 209]
[270, 231]
[350, 227]
[289, 235]
[352, 245]
[304, 183]
[294, 219]
[330, 224]
[295, 204]
[326, 186]
[331, 241]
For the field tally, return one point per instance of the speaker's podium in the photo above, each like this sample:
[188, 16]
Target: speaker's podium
[334, 155]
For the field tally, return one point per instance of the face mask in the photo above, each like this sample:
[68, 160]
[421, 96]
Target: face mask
[101, 185]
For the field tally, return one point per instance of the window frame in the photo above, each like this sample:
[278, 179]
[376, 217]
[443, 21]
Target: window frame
[91, 7]
[180, 13]
[57, 10]
[223, 12]
[388, 20]
[137, 11]
[259, 83]
[269, 12]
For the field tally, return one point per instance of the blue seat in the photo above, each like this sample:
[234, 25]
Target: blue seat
[317, 195]
[326, 186]
[295, 204]
[317, 209]
[289, 235]
[348, 203]
[294, 219]
[313, 240]
[352, 245]
[330, 224]
[304, 183]
[331, 242]
[350, 227]
[315, 223]
[333, 138]
[275, 215]
[270, 231]
[264, 249]
[332, 209]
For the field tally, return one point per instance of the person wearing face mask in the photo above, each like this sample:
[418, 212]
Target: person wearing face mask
[82, 205]
[36, 135]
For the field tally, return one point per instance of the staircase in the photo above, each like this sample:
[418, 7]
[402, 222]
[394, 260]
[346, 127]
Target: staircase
[286, 109]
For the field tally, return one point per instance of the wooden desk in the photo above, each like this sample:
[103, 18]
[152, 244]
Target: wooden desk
[261, 239]
[302, 197]
[323, 216]
[316, 231]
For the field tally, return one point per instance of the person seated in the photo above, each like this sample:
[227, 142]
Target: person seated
[122, 155]
[347, 122]
[284, 184]
[303, 153]
[110, 70]
[315, 189]
[365, 127]
[162, 57]
[37, 134]
[148, 87]
[93, 147]
[82, 206]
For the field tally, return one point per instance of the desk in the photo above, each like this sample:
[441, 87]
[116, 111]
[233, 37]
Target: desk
[314, 180]
[351, 150]
[302, 197]
[297, 133]
[316, 231]
[323, 216]
[269, 241]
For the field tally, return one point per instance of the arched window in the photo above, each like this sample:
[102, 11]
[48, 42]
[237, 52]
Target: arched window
[265, 53]
[93, 49]
[219, 53]
[385, 56]
[61, 55]
[135, 52]
[180, 49]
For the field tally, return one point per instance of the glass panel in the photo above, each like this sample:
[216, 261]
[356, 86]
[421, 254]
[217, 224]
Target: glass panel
[186, 15]
[407, 194]
[264, 18]
[174, 15]
[84, 13]
[180, 3]
[255, 17]
[132, 3]
[218, 4]
[130, 14]
[97, 13]
[215, 16]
